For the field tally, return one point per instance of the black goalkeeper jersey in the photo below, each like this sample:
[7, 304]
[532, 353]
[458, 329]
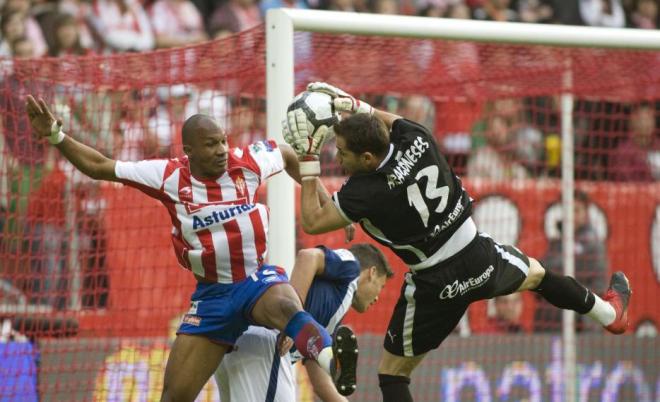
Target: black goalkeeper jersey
[413, 202]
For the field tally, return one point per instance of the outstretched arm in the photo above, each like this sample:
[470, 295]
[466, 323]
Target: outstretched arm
[86, 159]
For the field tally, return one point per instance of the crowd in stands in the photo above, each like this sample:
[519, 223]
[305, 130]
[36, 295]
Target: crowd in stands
[75, 27]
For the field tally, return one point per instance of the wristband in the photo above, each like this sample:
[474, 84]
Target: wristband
[56, 134]
[310, 168]
[363, 107]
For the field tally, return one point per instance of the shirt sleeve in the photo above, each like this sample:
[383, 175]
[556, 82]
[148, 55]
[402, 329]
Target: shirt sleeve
[340, 265]
[350, 201]
[267, 157]
[149, 173]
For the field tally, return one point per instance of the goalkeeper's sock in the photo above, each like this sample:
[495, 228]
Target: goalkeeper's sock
[310, 338]
[566, 293]
[394, 388]
[602, 312]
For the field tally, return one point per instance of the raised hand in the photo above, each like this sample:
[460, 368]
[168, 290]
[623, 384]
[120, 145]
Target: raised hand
[326, 88]
[343, 101]
[296, 134]
[43, 122]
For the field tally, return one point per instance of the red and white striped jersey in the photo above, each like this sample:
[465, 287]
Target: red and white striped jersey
[219, 230]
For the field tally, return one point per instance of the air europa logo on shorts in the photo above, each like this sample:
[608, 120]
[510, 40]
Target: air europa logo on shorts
[456, 288]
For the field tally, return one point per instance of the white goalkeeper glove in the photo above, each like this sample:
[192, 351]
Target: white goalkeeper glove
[296, 133]
[343, 101]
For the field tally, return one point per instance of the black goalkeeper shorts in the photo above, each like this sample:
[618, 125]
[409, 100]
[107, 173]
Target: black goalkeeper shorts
[433, 300]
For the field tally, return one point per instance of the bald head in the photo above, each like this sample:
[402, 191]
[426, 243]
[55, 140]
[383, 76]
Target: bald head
[198, 124]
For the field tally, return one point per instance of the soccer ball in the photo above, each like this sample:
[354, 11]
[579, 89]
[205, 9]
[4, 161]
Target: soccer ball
[318, 108]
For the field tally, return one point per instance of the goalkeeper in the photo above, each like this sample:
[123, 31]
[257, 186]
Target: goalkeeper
[405, 196]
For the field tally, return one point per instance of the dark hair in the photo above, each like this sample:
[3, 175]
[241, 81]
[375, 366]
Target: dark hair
[364, 133]
[369, 256]
[62, 20]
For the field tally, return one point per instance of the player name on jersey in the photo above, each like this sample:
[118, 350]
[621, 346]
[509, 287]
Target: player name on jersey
[407, 161]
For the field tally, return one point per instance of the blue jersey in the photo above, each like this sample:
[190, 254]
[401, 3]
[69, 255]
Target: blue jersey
[331, 293]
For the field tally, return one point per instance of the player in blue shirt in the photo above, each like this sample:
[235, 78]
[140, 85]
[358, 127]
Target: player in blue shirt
[330, 282]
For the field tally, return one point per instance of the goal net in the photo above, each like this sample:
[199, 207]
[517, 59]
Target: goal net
[90, 291]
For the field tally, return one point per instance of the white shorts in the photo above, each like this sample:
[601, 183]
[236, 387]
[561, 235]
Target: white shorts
[254, 372]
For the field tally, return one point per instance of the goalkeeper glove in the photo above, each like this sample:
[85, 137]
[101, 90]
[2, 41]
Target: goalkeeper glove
[296, 133]
[342, 100]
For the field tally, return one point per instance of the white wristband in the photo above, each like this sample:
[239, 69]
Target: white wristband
[363, 107]
[56, 134]
[310, 168]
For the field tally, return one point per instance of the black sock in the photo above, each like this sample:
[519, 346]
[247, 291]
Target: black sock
[394, 388]
[565, 292]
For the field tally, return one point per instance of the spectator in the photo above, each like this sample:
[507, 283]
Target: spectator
[134, 138]
[591, 265]
[535, 11]
[637, 157]
[603, 13]
[341, 5]
[246, 121]
[645, 15]
[79, 9]
[120, 26]
[22, 48]
[12, 27]
[234, 16]
[565, 12]
[496, 10]
[66, 37]
[506, 317]
[32, 28]
[458, 10]
[389, 7]
[504, 146]
[46, 217]
[176, 23]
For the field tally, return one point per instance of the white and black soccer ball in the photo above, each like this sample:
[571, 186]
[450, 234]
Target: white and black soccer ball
[318, 107]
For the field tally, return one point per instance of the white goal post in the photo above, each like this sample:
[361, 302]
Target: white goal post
[280, 27]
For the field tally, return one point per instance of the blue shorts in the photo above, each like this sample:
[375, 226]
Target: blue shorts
[221, 311]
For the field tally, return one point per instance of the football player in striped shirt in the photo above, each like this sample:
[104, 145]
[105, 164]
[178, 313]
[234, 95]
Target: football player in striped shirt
[219, 233]
[330, 282]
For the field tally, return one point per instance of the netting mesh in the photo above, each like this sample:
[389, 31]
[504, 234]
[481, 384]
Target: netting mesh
[87, 270]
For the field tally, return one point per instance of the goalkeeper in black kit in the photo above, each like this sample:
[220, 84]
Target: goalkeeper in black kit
[405, 196]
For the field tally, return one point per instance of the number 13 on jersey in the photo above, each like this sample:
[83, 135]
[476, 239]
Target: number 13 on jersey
[431, 194]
